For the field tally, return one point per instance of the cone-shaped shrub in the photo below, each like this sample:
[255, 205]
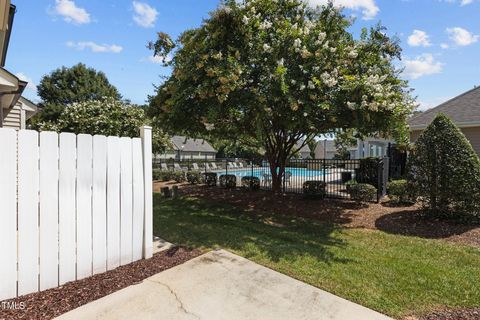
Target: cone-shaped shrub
[446, 170]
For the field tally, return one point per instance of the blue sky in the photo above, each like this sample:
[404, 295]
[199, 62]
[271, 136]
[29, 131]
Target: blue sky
[440, 39]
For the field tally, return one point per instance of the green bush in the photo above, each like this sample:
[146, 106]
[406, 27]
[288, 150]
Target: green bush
[178, 176]
[400, 191]
[194, 177]
[445, 171]
[367, 171]
[251, 183]
[314, 189]
[162, 175]
[363, 192]
[349, 183]
[210, 179]
[228, 181]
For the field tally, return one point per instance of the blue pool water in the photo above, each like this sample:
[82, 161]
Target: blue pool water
[259, 172]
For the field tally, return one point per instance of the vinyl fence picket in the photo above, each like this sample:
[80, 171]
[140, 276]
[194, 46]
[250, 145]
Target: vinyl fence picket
[125, 200]
[138, 198]
[99, 203]
[66, 206]
[48, 210]
[28, 185]
[113, 202]
[8, 225]
[84, 206]
[71, 206]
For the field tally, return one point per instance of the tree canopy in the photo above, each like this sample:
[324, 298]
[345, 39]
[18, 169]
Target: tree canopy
[106, 116]
[78, 83]
[65, 86]
[280, 72]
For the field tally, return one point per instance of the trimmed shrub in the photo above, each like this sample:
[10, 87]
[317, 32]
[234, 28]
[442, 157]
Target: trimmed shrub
[193, 177]
[367, 171]
[161, 175]
[210, 179]
[445, 171]
[251, 183]
[400, 191]
[363, 192]
[178, 176]
[314, 189]
[228, 181]
[349, 183]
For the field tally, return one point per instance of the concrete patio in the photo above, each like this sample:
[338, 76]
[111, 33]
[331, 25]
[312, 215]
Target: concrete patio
[221, 285]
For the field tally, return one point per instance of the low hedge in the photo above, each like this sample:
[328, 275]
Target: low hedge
[363, 192]
[210, 179]
[162, 175]
[178, 176]
[314, 189]
[401, 191]
[194, 177]
[251, 183]
[349, 183]
[228, 181]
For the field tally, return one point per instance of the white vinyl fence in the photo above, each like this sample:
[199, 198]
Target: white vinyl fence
[71, 206]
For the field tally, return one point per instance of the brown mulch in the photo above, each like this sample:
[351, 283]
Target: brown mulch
[54, 302]
[454, 314]
[384, 216]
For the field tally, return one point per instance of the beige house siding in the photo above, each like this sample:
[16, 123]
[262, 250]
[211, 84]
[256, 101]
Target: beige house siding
[13, 118]
[471, 133]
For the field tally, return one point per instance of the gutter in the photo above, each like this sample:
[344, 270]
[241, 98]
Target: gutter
[11, 16]
[468, 124]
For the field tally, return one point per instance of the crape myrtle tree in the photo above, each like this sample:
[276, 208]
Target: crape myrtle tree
[279, 71]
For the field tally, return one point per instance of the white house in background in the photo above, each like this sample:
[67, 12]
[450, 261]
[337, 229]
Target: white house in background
[187, 148]
[14, 109]
[370, 147]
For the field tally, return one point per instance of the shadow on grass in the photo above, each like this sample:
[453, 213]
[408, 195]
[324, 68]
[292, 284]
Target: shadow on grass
[416, 223]
[295, 205]
[197, 223]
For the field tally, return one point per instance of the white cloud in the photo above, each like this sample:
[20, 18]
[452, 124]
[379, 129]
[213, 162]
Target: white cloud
[419, 38]
[82, 45]
[145, 15]
[159, 59]
[31, 84]
[462, 2]
[462, 37]
[70, 12]
[368, 7]
[423, 65]
[444, 46]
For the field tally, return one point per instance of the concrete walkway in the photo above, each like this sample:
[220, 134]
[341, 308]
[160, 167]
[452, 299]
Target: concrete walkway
[221, 285]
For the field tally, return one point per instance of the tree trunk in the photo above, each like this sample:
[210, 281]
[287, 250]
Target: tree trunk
[277, 161]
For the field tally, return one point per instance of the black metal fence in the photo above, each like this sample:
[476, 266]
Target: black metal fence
[336, 174]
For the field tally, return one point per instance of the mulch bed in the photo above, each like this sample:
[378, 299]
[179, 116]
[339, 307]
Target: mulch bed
[456, 314]
[54, 302]
[395, 219]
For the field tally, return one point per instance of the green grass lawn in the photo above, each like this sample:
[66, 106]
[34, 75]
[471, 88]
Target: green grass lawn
[393, 274]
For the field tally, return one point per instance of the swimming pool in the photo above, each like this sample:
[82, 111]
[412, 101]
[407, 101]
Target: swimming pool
[259, 172]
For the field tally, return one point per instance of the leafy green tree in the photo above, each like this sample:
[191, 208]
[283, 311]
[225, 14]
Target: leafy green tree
[79, 83]
[106, 116]
[65, 86]
[280, 72]
[446, 170]
[237, 149]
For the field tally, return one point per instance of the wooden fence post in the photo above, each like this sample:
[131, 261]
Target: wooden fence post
[146, 135]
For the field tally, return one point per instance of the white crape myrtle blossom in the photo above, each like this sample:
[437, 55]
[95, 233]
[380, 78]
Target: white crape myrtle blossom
[265, 25]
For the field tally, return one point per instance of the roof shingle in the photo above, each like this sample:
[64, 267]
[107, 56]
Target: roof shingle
[464, 108]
